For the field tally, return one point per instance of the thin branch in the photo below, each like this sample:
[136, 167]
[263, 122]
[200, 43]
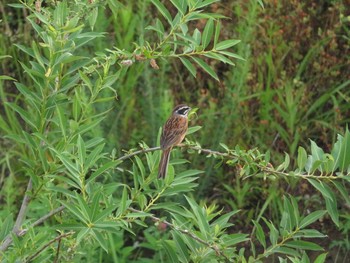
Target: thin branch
[48, 244]
[138, 152]
[186, 232]
[42, 219]
[263, 168]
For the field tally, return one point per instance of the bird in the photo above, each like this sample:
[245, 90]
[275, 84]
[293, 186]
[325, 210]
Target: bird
[174, 131]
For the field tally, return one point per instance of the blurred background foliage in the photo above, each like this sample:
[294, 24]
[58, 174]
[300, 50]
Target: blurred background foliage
[293, 86]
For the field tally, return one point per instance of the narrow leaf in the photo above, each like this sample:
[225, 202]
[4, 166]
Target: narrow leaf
[189, 66]
[161, 8]
[206, 68]
[302, 158]
[312, 217]
[306, 245]
[207, 33]
[227, 44]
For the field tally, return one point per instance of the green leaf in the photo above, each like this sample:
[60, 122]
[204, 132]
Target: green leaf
[6, 226]
[16, 5]
[189, 66]
[85, 79]
[161, 8]
[197, 36]
[286, 251]
[222, 221]
[344, 154]
[317, 153]
[259, 233]
[200, 4]
[170, 249]
[230, 54]
[182, 251]
[24, 114]
[219, 57]
[68, 164]
[81, 149]
[193, 129]
[331, 201]
[3, 77]
[343, 191]
[233, 239]
[84, 231]
[62, 117]
[93, 17]
[302, 158]
[123, 206]
[309, 233]
[273, 232]
[207, 33]
[305, 245]
[217, 32]
[331, 205]
[227, 44]
[206, 68]
[320, 187]
[100, 239]
[93, 157]
[180, 5]
[312, 217]
[261, 3]
[321, 258]
[101, 170]
[73, 208]
[140, 166]
[200, 215]
[189, 173]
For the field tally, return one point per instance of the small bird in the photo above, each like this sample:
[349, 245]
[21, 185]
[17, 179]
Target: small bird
[174, 132]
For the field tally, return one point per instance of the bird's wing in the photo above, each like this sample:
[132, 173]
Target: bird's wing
[173, 132]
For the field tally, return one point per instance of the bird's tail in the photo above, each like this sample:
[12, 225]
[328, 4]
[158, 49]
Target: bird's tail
[163, 164]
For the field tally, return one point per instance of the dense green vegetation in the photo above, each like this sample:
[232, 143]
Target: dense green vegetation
[263, 175]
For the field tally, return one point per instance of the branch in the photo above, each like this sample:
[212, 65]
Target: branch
[267, 169]
[186, 232]
[20, 217]
[48, 244]
[232, 155]
[22, 212]
[8, 240]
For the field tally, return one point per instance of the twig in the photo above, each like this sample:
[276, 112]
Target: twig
[186, 232]
[42, 219]
[138, 152]
[48, 244]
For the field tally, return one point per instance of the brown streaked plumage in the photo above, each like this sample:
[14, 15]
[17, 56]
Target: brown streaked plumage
[174, 132]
